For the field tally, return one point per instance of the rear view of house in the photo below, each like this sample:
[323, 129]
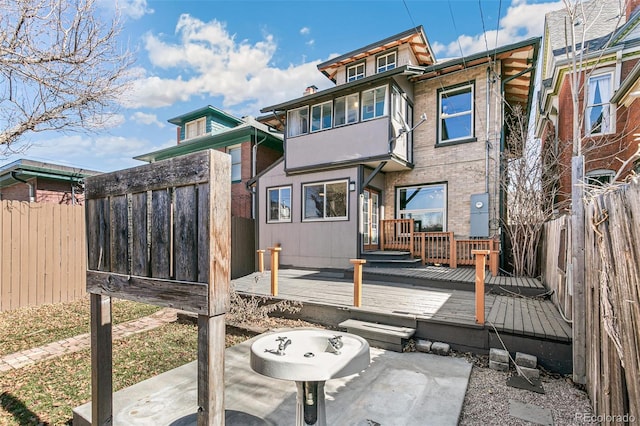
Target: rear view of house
[401, 137]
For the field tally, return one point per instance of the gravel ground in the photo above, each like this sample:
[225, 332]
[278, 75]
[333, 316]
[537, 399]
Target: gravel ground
[487, 398]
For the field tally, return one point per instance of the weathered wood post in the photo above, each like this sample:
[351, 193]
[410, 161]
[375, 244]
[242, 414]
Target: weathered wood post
[168, 206]
[480, 266]
[260, 261]
[357, 281]
[453, 252]
[493, 262]
[275, 263]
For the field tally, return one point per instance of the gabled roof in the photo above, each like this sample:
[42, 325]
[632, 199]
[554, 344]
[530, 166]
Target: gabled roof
[28, 169]
[415, 37]
[221, 116]
[250, 128]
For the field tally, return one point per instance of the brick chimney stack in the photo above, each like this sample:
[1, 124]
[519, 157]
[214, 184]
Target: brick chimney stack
[632, 6]
[313, 89]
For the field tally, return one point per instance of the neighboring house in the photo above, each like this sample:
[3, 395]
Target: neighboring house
[35, 181]
[608, 117]
[362, 151]
[252, 146]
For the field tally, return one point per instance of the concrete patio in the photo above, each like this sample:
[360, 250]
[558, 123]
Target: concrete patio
[397, 388]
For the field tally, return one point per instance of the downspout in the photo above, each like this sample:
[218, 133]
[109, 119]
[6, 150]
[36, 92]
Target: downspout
[502, 211]
[488, 144]
[32, 192]
[254, 167]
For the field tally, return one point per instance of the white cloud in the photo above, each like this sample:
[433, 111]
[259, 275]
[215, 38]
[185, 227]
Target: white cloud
[145, 118]
[523, 20]
[208, 61]
[134, 9]
[305, 30]
[310, 42]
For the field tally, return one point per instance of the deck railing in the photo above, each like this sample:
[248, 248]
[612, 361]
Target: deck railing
[431, 247]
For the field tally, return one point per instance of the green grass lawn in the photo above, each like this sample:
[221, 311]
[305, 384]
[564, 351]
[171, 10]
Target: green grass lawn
[29, 327]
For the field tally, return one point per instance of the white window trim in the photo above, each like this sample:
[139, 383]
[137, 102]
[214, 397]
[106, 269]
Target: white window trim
[308, 122]
[322, 107]
[279, 188]
[612, 109]
[229, 149]
[444, 210]
[386, 103]
[357, 75]
[325, 218]
[386, 67]
[195, 123]
[441, 116]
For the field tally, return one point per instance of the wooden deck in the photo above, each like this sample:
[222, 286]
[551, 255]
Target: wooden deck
[514, 315]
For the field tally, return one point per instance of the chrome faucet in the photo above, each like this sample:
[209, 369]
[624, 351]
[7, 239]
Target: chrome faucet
[335, 344]
[282, 345]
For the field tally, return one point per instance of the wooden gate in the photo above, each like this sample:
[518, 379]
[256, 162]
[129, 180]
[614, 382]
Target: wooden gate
[160, 234]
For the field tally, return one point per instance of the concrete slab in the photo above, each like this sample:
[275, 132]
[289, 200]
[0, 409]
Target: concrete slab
[531, 413]
[397, 388]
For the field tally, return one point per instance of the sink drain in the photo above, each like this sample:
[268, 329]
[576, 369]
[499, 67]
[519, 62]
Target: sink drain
[309, 355]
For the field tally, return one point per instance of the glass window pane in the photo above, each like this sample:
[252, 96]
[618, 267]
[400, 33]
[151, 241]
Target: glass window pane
[367, 104]
[313, 201]
[285, 203]
[336, 199]
[380, 98]
[456, 127]
[316, 113]
[297, 122]
[454, 103]
[273, 204]
[352, 106]
[428, 197]
[340, 111]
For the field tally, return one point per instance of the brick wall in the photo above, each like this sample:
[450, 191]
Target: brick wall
[462, 166]
[46, 191]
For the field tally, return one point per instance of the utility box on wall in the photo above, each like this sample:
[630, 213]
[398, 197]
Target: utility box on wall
[479, 217]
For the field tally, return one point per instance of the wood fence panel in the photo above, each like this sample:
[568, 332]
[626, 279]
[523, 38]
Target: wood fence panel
[243, 247]
[42, 254]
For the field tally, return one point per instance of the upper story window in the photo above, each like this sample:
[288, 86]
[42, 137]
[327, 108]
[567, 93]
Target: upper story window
[325, 201]
[386, 62]
[279, 200]
[455, 114]
[598, 112]
[355, 72]
[236, 163]
[321, 116]
[346, 110]
[298, 121]
[195, 128]
[374, 103]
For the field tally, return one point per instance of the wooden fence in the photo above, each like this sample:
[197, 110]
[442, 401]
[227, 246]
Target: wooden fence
[556, 249]
[612, 259]
[42, 254]
[243, 246]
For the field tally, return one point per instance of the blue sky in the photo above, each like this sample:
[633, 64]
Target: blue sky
[243, 55]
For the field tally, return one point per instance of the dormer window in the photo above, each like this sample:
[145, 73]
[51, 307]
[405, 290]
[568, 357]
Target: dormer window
[195, 128]
[355, 72]
[386, 62]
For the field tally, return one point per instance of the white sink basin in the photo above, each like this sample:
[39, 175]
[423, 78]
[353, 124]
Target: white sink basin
[309, 356]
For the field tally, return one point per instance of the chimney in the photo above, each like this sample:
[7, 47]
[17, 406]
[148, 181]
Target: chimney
[310, 90]
[632, 7]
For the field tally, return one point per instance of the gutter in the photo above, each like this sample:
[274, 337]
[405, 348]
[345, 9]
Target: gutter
[32, 196]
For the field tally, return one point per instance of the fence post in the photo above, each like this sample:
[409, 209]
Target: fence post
[357, 281]
[260, 261]
[480, 265]
[493, 262]
[453, 255]
[275, 251]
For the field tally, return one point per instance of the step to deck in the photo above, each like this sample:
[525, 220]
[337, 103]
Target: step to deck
[383, 336]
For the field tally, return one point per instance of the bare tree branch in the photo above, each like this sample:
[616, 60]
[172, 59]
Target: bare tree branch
[61, 67]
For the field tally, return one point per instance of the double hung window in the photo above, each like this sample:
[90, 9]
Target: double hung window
[455, 113]
[346, 110]
[236, 163]
[325, 201]
[298, 121]
[321, 116]
[374, 103]
[386, 62]
[279, 200]
[598, 113]
[355, 72]
[195, 128]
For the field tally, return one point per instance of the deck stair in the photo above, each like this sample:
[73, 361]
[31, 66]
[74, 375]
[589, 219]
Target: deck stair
[384, 336]
[390, 259]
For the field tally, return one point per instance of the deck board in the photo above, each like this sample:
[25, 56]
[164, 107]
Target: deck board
[516, 315]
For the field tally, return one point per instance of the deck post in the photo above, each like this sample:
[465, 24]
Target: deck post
[260, 260]
[453, 255]
[493, 262]
[275, 253]
[423, 254]
[480, 257]
[357, 281]
[101, 360]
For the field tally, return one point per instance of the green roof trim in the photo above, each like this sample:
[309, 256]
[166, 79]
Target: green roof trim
[208, 111]
[28, 169]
